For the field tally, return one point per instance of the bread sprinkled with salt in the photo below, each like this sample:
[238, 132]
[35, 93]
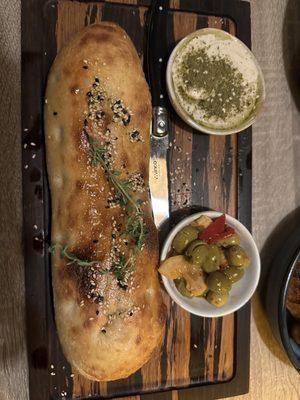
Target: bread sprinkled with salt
[108, 305]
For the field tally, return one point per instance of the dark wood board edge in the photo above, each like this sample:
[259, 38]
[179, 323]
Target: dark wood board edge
[240, 13]
[36, 327]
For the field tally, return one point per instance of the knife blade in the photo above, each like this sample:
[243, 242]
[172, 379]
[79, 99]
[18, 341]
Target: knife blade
[159, 137]
[159, 187]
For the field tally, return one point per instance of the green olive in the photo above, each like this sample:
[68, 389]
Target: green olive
[199, 255]
[212, 261]
[229, 241]
[192, 247]
[218, 282]
[234, 274]
[237, 257]
[181, 287]
[223, 259]
[217, 299]
[184, 237]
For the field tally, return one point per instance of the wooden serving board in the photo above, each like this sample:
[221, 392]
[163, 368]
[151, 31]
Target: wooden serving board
[205, 172]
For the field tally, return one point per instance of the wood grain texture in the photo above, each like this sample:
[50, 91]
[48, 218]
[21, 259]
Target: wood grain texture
[271, 376]
[13, 359]
[178, 353]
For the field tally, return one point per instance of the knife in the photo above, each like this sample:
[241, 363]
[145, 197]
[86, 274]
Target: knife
[156, 59]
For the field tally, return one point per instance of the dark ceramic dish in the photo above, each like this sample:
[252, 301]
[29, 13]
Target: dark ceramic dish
[282, 270]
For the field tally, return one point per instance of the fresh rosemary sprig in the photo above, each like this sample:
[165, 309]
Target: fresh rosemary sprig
[96, 153]
[121, 268]
[135, 222]
[73, 259]
[135, 230]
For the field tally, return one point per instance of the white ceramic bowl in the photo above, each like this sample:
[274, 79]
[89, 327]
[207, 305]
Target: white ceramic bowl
[181, 111]
[241, 291]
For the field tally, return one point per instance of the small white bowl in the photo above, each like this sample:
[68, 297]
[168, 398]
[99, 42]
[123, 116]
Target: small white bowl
[241, 291]
[181, 111]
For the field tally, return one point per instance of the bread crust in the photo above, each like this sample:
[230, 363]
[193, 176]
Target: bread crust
[108, 329]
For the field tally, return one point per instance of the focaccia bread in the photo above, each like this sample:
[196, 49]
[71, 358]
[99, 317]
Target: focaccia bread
[108, 306]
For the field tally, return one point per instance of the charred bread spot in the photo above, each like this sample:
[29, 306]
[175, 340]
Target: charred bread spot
[79, 185]
[83, 253]
[85, 279]
[138, 340]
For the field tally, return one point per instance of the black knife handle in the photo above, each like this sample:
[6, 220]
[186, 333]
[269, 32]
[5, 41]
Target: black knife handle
[156, 56]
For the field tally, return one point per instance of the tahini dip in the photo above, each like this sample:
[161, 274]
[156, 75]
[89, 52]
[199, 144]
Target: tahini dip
[216, 80]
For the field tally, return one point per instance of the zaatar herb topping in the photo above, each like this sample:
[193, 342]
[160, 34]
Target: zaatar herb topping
[222, 87]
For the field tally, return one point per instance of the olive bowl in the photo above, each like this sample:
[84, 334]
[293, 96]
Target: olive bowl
[241, 291]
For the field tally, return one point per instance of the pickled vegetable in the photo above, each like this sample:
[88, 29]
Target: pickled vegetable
[217, 299]
[214, 229]
[184, 237]
[174, 267]
[218, 282]
[237, 257]
[230, 240]
[195, 281]
[181, 287]
[202, 222]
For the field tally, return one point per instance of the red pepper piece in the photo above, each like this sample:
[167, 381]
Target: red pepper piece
[227, 233]
[215, 228]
